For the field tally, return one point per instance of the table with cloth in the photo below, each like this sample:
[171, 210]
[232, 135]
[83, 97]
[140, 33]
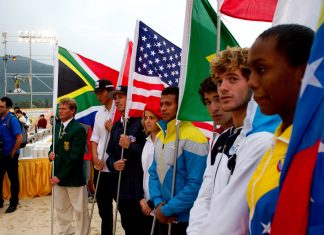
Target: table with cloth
[34, 178]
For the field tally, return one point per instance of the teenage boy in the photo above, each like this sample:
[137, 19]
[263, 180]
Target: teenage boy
[190, 166]
[221, 207]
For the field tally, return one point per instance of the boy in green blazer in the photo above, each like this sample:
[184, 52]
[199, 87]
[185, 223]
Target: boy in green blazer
[69, 182]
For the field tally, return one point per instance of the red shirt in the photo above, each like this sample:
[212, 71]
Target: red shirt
[42, 123]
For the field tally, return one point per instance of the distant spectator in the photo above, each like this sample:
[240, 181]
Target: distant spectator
[29, 122]
[52, 120]
[57, 120]
[42, 122]
[16, 108]
[21, 117]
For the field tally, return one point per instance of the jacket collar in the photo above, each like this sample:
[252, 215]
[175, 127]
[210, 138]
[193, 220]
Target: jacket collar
[67, 122]
[66, 129]
[164, 126]
[283, 136]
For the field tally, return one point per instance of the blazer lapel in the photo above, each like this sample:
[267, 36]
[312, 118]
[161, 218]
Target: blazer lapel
[66, 130]
[69, 126]
[57, 133]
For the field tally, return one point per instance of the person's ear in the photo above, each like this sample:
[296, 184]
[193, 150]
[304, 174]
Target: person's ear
[300, 70]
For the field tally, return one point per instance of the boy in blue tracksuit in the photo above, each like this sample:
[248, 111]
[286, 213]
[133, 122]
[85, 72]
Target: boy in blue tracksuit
[191, 163]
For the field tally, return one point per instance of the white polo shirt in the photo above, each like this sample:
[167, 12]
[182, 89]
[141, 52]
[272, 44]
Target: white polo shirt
[100, 134]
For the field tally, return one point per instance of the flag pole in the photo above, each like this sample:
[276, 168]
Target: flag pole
[97, 183]
[175, 157]
[183, 74]
[153, 225]
[55, 84]
[132, 69]
[98, 178]
[93, 202]
[122, 67]
[119, 180]
[120, 81]
[185, 52]
[218, 38]
[113, 109]
[219, 25]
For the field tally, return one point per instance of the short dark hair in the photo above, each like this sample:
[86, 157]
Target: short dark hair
[206, 86]
[171, 90]
[8, 101]
[293, 41]
[19, 111]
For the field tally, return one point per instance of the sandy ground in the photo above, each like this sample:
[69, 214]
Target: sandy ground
[33, 216]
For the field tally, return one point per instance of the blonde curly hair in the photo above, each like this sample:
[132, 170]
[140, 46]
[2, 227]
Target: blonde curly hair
[229, 60]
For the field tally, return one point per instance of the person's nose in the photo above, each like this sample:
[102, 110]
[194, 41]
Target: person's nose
[253, 81]
[223, 87]
[215, 106]
[163, 107]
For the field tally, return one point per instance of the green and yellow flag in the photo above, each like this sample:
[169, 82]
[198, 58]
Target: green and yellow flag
[198, 48]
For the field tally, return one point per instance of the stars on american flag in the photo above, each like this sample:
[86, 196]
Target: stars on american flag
[157, 57]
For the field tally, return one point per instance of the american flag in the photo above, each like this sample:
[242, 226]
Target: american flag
[157, 65]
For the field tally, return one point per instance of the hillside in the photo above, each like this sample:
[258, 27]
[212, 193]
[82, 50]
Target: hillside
[20, 67]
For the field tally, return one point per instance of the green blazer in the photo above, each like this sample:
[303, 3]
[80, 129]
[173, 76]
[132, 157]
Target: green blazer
[69, 151]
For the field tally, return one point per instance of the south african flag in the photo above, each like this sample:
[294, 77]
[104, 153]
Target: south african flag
[76, 79]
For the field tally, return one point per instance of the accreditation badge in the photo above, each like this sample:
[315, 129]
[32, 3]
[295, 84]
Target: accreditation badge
[66, 146]
[233, 149]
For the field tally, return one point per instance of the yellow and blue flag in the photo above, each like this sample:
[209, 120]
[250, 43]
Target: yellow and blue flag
[300, 208]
